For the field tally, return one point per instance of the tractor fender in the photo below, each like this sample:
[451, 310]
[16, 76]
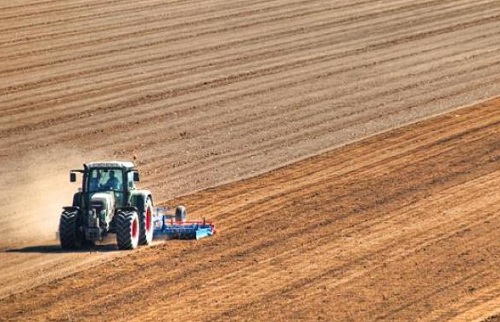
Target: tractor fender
[77, 199]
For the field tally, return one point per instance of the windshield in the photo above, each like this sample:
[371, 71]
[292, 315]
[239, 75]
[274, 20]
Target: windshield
[105, 179]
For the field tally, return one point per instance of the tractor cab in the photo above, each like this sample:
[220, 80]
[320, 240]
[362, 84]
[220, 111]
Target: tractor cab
[107, 176]
[116, 179]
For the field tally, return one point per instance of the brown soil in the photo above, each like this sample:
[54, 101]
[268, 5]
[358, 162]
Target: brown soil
[403, 225]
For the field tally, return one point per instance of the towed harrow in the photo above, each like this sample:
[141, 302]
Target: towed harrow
[175, 226]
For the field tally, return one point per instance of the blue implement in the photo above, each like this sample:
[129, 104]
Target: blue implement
[165, 226]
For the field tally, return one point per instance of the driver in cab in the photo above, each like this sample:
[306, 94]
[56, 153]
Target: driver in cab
[112, 183]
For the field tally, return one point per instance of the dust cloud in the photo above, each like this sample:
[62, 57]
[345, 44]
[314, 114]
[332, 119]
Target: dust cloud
[33, 192]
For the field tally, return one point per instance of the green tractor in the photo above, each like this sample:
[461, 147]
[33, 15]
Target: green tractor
[108, 202]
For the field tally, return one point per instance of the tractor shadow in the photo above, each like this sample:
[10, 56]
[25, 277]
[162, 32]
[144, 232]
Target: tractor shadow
[56, 249]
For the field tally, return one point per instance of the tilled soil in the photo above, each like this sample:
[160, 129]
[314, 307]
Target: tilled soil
[400, 226]
[204, 93]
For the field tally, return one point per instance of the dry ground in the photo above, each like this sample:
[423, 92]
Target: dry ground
[401, 226]
[210, 92]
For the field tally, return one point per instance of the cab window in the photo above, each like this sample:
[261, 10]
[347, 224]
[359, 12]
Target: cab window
[105, 179]
[130, 180]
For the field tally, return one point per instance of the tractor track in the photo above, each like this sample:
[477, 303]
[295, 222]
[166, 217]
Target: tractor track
[206, 93]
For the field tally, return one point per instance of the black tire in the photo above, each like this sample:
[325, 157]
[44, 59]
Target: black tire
[127, 229]
[180, 213]
[69, 236]
[146, 224]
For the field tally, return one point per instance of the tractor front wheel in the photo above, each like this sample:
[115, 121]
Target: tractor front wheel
[68, 231]
[127, 229]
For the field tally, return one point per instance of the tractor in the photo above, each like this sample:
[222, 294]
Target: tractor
[107, 202]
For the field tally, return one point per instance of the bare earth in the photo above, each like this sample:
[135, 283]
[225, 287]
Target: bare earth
[402, 225]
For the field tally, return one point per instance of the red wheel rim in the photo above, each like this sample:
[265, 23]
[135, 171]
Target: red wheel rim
[135, 228]
[149, 219]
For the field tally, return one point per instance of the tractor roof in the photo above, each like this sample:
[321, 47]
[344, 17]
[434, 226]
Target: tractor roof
[111, 164]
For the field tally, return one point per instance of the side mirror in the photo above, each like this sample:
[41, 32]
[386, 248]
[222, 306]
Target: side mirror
[136, 177]
[72, 177]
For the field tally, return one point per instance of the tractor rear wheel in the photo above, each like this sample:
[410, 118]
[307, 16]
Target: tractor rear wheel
[146, 224]
[127, 229]
[68, 231]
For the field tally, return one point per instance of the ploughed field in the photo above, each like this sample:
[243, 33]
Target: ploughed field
[401, 226]
[252, 113]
